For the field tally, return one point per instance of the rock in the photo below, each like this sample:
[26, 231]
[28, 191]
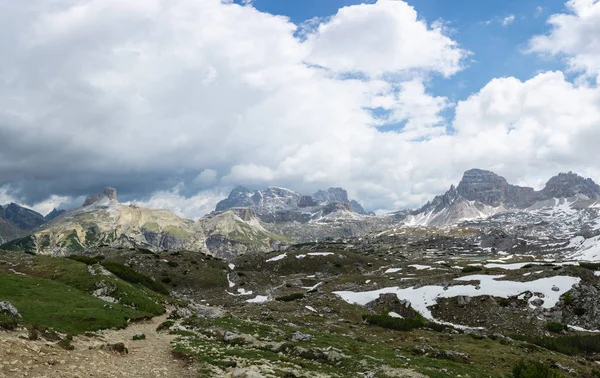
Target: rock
[116, 347]
[537, 302]
[91, 199]
[111, 193]
[555, 288]
[9, 309]
[463, 300]
[299, 336]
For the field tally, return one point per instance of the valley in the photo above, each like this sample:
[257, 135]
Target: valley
[481, 281]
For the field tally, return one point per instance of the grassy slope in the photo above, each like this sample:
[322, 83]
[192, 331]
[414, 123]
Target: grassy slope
[56, 293]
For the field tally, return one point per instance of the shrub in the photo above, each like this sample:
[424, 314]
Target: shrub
[533, 370]
[579, 311]
[397, 324]
[165, 325]
[556, 327]
[590, 266]
[139, 336]
[85, 259]
[568, 344]
[130, 275]
[471, 269]
[289, 298]
[8, 322]
[568, 298]
[172, 264]
[66, 343]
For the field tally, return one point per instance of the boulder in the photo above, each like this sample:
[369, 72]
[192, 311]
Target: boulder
[8, 309]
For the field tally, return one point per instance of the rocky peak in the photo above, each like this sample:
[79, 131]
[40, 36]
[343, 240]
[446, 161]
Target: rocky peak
[53, 214]
[331, 195]
[570, 184]
[483, 186]
[23, 218]
[239, 197]
[111, 193]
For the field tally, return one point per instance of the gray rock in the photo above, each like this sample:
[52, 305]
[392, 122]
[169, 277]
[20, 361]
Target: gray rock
[9, 309]
[299, 336]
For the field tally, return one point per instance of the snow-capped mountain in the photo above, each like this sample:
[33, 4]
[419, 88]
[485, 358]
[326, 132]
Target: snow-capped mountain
[482, 194]
[276, 204]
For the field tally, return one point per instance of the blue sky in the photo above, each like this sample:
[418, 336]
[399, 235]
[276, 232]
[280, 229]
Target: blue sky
[478, 27]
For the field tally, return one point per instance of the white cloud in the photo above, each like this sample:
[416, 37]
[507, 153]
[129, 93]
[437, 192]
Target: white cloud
[380, 38]
[105, 92]
[508, 20]
[574, 35]
[192, 207]
[538, 11]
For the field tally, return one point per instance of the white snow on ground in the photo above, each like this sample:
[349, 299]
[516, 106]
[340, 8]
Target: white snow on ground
[394, 314]
[314, 254]
[277, 258]
[258, 299]
[310, 308]
[596, 273]
[231, 284]
[392, 270]
[367, 281]
[311, 276]
[576, 328]
[313, 287]
[231, 266]
[420, 267]
[423, 297]
[241, 292]
[588, 250]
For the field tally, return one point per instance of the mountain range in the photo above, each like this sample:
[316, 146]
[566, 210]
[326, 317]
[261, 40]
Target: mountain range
[263, 220]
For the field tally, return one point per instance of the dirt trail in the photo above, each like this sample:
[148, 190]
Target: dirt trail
[146, 358]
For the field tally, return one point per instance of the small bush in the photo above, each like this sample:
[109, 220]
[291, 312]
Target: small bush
[139, 336]
[172, 264]
[533, 370]
[87, 260]
[471, 269]
[66, 343]
[556, 327]
[165, 325]
[568, 298]
[397, 324]
[166, 280]
[289, 298]
[8, 322]
[590, 266]
[569, 344]
[579, 311]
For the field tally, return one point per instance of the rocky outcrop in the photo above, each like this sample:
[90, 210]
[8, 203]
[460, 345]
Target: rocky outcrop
[23, 218]
[8, 309]
[483, 193]
[566, 185]
[55, 213]
[276, 205]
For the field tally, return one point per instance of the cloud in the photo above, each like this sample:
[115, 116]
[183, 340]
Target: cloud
[538, 11]
[575, 36]
[385, 37]
[173, 103]
[508, 20]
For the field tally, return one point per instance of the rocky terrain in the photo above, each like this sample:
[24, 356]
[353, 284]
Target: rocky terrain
[484, 280]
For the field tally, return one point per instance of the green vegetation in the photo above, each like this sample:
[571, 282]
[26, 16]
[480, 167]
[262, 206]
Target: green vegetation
[290, 297]
[140, 336]
[570, 345]
[472, 268]
[128, 274]
[165, 325]
[402, 324]
[590, 266]
[556, 327]
[533, 370]
[46, 303]
[8, 322]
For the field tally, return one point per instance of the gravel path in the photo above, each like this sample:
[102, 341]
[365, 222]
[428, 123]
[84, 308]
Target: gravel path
[146, 358]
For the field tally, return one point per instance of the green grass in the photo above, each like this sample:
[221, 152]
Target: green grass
[533, 370]
[290, 297]
[47, 303]
[130, 275]
[570, 345]
[471, 269]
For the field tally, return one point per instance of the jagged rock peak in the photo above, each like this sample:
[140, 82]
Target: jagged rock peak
[111, 193]
[570, 184]
[53, 214]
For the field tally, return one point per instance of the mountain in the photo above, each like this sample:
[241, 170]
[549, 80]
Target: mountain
[16, 221]
[23, 218]
[481, 194]
[275, 205]
[103, 221]
[53, 214]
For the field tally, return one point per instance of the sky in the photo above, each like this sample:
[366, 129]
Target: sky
[176, 102]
